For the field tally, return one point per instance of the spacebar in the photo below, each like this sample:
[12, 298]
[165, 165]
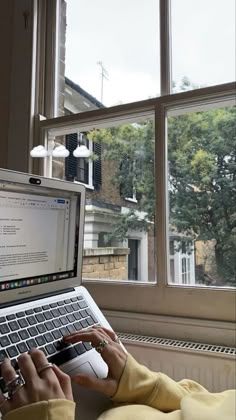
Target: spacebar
[64, 356]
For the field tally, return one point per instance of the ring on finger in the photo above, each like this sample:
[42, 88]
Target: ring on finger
[14, 385]
[46, 366]
[117, 340]
[101, 346]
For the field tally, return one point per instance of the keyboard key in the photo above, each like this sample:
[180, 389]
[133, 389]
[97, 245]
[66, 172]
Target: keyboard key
[69, 308]
[14, 364]
[46, 307]
[38, 309]
[3, 387]
[23, 334]
[79, 297]
[48, 337]
[29, 311]
[75, 306]
[89, 312]
[41, 328]
[53, 305]
[40, 317]
[60, 303]
[62, 310]
[40, 340]
[48, 315]
[78, 326]
[71, 318]
[67, 301]
[57, 323]
[88, 346]
[71, 328]
[55, 313]
[64, 356]
[2, 319]
[90, 320]
[4, 329]
[64, 331]
[83, 313]
[50, 348]
[4, 341]
[33, 331]
[14, 337]
[22, 347]
[77, 315]
[64, 320]
[23, 322]
[11, 317]
[20, 314]
[32, 320]
[84, 323]
[57, 334]
[3, 354]
[31, 343]
[74, 299]
[49, 325]
[83, 304]
[80, 348]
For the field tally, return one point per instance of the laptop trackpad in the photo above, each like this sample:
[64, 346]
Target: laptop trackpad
[90, 404]
[85, 368]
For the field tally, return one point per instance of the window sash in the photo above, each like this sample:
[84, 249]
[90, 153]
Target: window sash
[165, 299]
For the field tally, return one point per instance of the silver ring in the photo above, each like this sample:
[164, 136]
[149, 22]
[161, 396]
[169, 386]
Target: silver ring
[46, 366]
[101, 346]
[117, 340]
[4, 402]
[14, 385]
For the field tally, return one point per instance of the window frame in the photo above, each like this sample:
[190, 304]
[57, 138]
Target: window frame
[166, 299]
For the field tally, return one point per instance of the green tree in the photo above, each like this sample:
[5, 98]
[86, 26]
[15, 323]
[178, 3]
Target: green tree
[202, 179]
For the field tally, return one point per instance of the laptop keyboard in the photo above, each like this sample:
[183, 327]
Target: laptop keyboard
[43, 327]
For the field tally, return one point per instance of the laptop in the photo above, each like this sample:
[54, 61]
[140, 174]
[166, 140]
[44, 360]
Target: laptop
[41, 297]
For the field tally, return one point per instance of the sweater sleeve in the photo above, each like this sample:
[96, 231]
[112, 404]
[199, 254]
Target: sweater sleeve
[44, 410]
[139, 385]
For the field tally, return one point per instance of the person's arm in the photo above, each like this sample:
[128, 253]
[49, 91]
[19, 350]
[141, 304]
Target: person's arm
[139, 385]
[44, 392]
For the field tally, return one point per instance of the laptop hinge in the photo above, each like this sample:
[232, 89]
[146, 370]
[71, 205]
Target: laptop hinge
[39, 297]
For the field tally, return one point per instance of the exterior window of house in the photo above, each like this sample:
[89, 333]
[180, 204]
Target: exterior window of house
[133, 259]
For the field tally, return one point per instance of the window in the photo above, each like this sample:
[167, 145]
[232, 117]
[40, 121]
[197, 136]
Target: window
[176, 139]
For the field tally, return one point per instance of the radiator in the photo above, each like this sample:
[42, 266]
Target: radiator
[212, 366]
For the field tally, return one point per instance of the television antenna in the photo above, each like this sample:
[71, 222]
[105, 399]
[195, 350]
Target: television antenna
[104, 75]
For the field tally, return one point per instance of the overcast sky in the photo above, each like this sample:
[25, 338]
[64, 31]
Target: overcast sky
[123, 35]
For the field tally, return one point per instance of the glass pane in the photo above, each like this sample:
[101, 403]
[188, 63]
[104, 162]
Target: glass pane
[119, 241]
[112, 51]
[202, 197]
[203, 43]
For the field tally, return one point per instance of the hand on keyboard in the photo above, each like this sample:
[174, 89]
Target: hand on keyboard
[39, 381]
[106, 343]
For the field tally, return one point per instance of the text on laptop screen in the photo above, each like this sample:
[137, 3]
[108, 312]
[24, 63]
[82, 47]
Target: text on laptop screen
[38, 236]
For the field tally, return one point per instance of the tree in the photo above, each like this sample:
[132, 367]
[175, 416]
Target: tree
[202, 179]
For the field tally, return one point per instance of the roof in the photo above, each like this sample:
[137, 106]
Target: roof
[83, 93]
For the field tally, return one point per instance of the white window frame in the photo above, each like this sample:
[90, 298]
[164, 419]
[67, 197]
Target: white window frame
[152, 302]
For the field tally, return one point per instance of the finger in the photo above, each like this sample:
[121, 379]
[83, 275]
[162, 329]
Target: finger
[27, 368]
[39, 360]
[105, 386]
[4, 405]
[64, 381]
[8, 372]
[94, 337]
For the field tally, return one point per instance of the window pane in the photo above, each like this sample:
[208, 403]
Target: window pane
[202, 197]
[203, 43]
[119, 241]
[112, 51]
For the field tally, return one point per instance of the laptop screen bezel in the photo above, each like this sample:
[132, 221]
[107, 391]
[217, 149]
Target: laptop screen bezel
[28, 292]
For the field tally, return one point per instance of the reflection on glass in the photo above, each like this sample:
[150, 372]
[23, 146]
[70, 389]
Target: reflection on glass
[202, 198]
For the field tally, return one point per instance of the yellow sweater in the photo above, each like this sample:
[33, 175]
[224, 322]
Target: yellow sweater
[144, 395]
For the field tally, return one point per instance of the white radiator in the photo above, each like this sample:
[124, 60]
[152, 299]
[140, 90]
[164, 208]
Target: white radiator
[212, 366]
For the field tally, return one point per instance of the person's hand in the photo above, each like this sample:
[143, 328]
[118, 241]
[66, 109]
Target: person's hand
[104, 341]
[43, 382]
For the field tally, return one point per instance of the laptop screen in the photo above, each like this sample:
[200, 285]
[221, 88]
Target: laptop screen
[40, 230]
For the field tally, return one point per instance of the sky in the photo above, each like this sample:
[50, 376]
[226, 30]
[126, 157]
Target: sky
[124, 36]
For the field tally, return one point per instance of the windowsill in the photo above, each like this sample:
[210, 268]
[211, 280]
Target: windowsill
[132, 200]
[87, 186]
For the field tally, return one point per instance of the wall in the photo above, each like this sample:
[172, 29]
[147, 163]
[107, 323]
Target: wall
[6, 23]
[106, 263]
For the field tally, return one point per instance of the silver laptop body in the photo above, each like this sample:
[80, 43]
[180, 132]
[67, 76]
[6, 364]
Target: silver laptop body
[41, 243]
